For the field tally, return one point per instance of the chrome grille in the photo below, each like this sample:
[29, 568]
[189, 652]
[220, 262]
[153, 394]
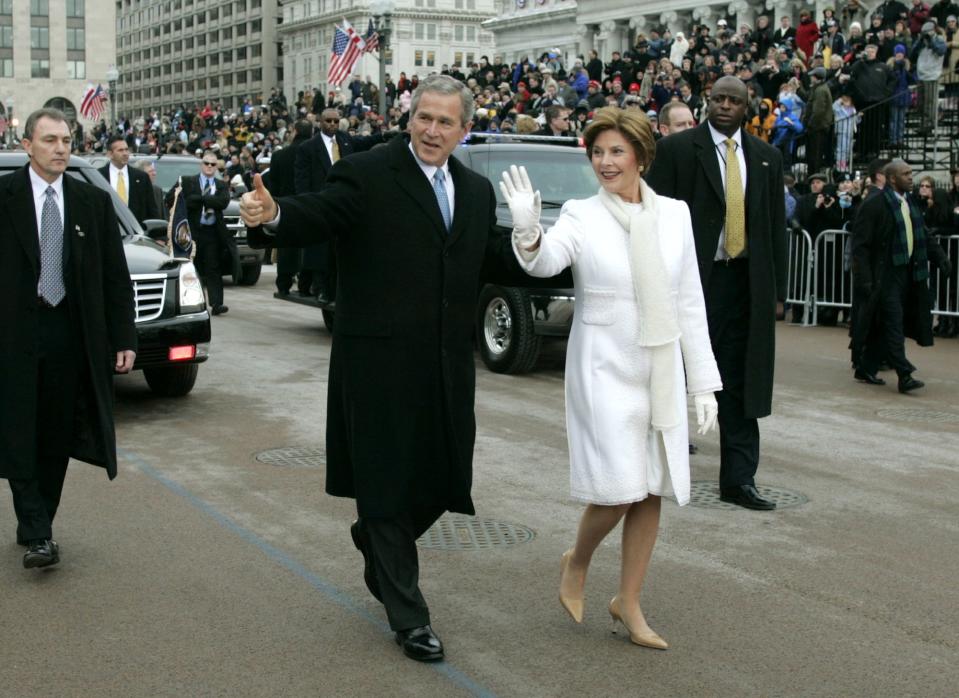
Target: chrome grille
[149, 291]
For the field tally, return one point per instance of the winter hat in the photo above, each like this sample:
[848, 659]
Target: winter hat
[855, 25]
[928, 27]
[818, 73]
[595, 83]
[634, 86]
[900, 48]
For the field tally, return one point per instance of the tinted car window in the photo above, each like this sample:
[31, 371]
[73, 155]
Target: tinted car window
[558, 176]
[169, 170]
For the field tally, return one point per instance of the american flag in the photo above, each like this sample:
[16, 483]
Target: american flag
[372, 39]
[92, 104]
[347, 48]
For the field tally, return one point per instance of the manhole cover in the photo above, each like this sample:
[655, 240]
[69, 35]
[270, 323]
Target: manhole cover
[705, 493]
[458, 532]
[912, 414]
[294, 457]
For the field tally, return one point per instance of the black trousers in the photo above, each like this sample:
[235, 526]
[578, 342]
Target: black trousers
[727, 311]
[36, 498]
[886, 340]
[393, 544]
[288, 261]
[208, 254]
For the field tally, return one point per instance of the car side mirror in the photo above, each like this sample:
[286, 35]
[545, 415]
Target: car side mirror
[156, 228]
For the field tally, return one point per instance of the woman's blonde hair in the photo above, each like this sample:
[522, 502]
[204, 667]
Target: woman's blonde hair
[632, 124]
[526, 124]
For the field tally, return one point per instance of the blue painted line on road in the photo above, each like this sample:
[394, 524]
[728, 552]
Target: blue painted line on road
[283, 559]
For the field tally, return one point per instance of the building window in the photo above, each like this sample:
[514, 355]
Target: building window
[458, 32]
[214, 15]
[417, 58]
[227, 79]
[458, 58]
[6, 36]
[201, 63]
[75, 38]
[227, 56]
[470, 4]
[76, 70]
[40, 68]
[6, 67]
[75, 8]
[226, 34]
[256, 74]
[256, 50]
[431, 32]
[214, 59]
[430, 59]
[6, 7]
[39, 38]
[471, 33]
[241, 53]
[256, 25]
[40, 8]
[419, 31]
[241, 78]
[469, 59]
[241, 29]
[459, 4]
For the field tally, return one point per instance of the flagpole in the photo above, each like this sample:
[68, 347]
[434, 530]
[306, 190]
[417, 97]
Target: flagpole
[382, 14]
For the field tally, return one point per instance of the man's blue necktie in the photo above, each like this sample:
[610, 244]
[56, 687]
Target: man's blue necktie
[207, 218]
[439, 188]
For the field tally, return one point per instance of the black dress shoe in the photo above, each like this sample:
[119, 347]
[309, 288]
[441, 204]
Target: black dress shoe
[420, 644]
[908, 383]
[220, 309]
[746, 496]
[870, 378]
[369, 572]
[41, 553]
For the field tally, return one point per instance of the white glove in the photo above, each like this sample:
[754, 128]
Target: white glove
[707, 411]
[524, 205]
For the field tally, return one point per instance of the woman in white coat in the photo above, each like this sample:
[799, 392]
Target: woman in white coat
[639, 320]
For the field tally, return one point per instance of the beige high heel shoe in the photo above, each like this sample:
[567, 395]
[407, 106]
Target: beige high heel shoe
[646, 638]
[574, 607]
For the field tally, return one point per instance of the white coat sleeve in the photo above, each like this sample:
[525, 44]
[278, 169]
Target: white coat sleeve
[558, 247]
[702, 374]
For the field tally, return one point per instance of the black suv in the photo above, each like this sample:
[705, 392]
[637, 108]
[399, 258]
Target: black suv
[173, 325]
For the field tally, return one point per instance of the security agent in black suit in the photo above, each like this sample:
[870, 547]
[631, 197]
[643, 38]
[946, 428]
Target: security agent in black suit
[280, 181]
[400, 421]
[68, 319]
[133, 185]
[314, 159]
[206, 197]
[741, 287]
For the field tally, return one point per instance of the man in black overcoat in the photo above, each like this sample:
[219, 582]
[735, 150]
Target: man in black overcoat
[133, 185]
[279, 181]
[314, 159]
[745, 284]
[206, 198]
[890, 271]
[68, 319]
[413, 228]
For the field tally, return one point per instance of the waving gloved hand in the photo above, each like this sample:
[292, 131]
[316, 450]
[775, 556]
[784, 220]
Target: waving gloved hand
[525, 206]
[707, 411]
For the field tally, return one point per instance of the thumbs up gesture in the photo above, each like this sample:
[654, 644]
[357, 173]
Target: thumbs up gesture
[257, 207]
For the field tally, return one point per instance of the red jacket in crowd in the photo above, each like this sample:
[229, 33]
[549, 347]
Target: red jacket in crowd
[807, 34]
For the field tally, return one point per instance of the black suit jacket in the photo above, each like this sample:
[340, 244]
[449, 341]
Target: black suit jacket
[280, 179]
[100, 299]
[313, 163]
[400, 423]
[140, 197]
[687, 168]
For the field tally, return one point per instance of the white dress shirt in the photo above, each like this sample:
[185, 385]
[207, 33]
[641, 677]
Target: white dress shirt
[328, 142]
[719, 139]
[430, 171]
[40, 195]
[114, 174]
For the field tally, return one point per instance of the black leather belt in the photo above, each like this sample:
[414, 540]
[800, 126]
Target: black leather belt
[730, 261]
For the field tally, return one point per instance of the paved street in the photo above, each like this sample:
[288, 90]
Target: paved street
[202, 571]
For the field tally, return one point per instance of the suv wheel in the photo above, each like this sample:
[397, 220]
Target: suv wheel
[171, 381]
[250, 274]
[504, 330]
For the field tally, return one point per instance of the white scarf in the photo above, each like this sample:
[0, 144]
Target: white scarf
[658, 324]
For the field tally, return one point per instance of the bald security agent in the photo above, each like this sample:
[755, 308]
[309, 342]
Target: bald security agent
[741, 249]
[413, 229]
[68, 319]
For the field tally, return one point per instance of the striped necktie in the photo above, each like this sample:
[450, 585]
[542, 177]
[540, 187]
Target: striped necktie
[439, 188]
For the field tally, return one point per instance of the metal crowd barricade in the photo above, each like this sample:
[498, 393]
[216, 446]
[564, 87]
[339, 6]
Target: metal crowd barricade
[799, 274]
[945, 289]
[832, 272]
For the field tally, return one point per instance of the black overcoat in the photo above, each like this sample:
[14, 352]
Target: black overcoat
[872, 234]
[140, 197]
[100, 297]
[400, 425]
[687, 167]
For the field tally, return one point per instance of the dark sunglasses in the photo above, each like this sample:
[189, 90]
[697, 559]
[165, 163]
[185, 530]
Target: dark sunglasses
[209, 164]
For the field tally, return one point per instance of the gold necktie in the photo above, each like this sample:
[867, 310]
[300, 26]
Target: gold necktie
[904, 205]
[735, 204]
[336, 150]
[121, 187]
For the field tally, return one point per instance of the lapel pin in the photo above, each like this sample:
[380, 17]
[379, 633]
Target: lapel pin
[80, 233]
[765, 164]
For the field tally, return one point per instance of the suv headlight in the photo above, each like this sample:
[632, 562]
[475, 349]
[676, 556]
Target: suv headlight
[191, 290]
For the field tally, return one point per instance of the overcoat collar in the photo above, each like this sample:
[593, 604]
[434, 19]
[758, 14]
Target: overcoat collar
[410, 178]
[706, 151]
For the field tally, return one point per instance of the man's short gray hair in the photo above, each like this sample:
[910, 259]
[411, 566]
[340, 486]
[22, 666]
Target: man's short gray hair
[445, 85]
[46, 112]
